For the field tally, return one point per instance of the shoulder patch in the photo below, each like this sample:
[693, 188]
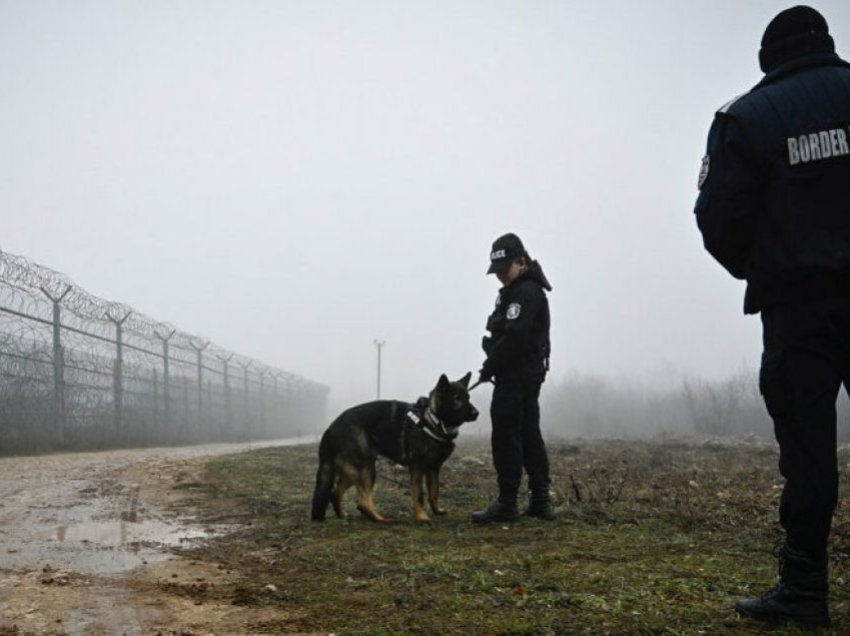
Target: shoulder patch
[703, 171]
[513, 311]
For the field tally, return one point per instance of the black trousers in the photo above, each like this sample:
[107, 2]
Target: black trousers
[516, 439]
[805, 361]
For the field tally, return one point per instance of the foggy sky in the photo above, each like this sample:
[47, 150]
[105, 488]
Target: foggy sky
[296, 179]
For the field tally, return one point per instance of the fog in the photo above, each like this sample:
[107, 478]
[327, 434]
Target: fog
[297, 179]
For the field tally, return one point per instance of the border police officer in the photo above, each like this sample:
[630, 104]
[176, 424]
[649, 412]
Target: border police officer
[774, 209]
[517, 359]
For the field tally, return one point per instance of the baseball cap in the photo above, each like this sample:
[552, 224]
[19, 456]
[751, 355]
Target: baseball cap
[506, 249]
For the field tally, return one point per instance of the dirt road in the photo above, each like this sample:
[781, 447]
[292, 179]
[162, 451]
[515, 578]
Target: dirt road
[86, 544]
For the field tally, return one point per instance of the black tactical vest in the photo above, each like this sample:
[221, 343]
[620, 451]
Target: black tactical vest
[796, 127]
[529, 353]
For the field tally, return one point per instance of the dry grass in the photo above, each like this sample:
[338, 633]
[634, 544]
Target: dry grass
[650, 538]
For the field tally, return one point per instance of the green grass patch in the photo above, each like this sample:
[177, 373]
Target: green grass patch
[651, 538]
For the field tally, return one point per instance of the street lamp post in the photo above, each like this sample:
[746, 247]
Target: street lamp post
[378, 345]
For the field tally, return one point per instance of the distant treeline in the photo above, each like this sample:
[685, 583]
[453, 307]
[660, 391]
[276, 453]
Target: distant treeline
[589, 405]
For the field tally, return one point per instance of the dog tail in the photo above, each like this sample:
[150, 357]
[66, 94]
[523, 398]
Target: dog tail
[324, 484]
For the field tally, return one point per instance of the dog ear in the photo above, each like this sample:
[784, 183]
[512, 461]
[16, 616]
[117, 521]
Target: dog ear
[465, 379]
[443, 382]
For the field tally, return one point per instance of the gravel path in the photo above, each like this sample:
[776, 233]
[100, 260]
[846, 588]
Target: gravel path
[74, 526]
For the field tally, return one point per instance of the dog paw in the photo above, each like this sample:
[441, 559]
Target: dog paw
[423, 518]
[438, 510]
[370, 514]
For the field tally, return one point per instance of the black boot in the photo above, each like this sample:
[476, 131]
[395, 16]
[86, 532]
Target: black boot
[540, 507]
[497, 511]
[799, 597]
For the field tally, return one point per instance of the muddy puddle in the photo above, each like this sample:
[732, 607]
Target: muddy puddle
[87, 538]
[100, 547]
[77, 512]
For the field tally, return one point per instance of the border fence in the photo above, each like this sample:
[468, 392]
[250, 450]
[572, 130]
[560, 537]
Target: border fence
[81, 372]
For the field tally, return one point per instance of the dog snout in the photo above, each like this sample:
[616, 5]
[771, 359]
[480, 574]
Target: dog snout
[473, 413]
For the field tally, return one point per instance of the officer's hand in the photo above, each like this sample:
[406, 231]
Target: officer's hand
[484, 375]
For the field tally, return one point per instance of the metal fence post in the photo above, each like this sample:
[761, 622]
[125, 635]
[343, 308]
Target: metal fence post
[286, 403]
[228, 408]
[59, 419]
[246, 408]
[118, 370]
[276, 413]
[200, 350]
[185, 401]
[211, 410]
[245, 368]
[165, 393]
[155, 399]
[263, 401]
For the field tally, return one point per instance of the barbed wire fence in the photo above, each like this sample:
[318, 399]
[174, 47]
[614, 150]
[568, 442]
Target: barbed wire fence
[81, 372]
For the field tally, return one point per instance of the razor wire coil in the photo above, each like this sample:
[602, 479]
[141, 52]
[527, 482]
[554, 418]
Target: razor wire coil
[77, 370]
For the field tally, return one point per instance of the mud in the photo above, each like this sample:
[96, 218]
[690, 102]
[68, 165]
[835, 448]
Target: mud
[88, 539]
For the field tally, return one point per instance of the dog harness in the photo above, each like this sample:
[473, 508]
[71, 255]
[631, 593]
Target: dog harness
[421, 416]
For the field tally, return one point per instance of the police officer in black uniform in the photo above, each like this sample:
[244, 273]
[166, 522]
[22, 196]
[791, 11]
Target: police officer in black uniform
[517, 361]
[774, 209]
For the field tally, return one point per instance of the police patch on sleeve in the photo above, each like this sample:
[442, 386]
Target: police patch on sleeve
[513, 311]
[703, 171]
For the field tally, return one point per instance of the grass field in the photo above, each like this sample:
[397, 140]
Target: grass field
[651, 537]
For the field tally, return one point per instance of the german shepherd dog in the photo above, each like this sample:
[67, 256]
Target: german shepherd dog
[419, 436]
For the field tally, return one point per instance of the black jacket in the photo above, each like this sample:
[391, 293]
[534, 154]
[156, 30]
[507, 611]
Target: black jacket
[774, 202]
[518, 345]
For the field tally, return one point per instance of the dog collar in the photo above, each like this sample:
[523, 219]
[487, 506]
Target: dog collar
[436, 428]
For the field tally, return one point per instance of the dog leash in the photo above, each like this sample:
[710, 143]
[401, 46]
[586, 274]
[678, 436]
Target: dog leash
[477, 383]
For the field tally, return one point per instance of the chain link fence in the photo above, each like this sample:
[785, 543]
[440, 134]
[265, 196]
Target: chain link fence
[81, 372]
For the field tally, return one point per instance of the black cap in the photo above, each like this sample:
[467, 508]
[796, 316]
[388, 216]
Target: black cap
[506, 249]
[793, 33]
